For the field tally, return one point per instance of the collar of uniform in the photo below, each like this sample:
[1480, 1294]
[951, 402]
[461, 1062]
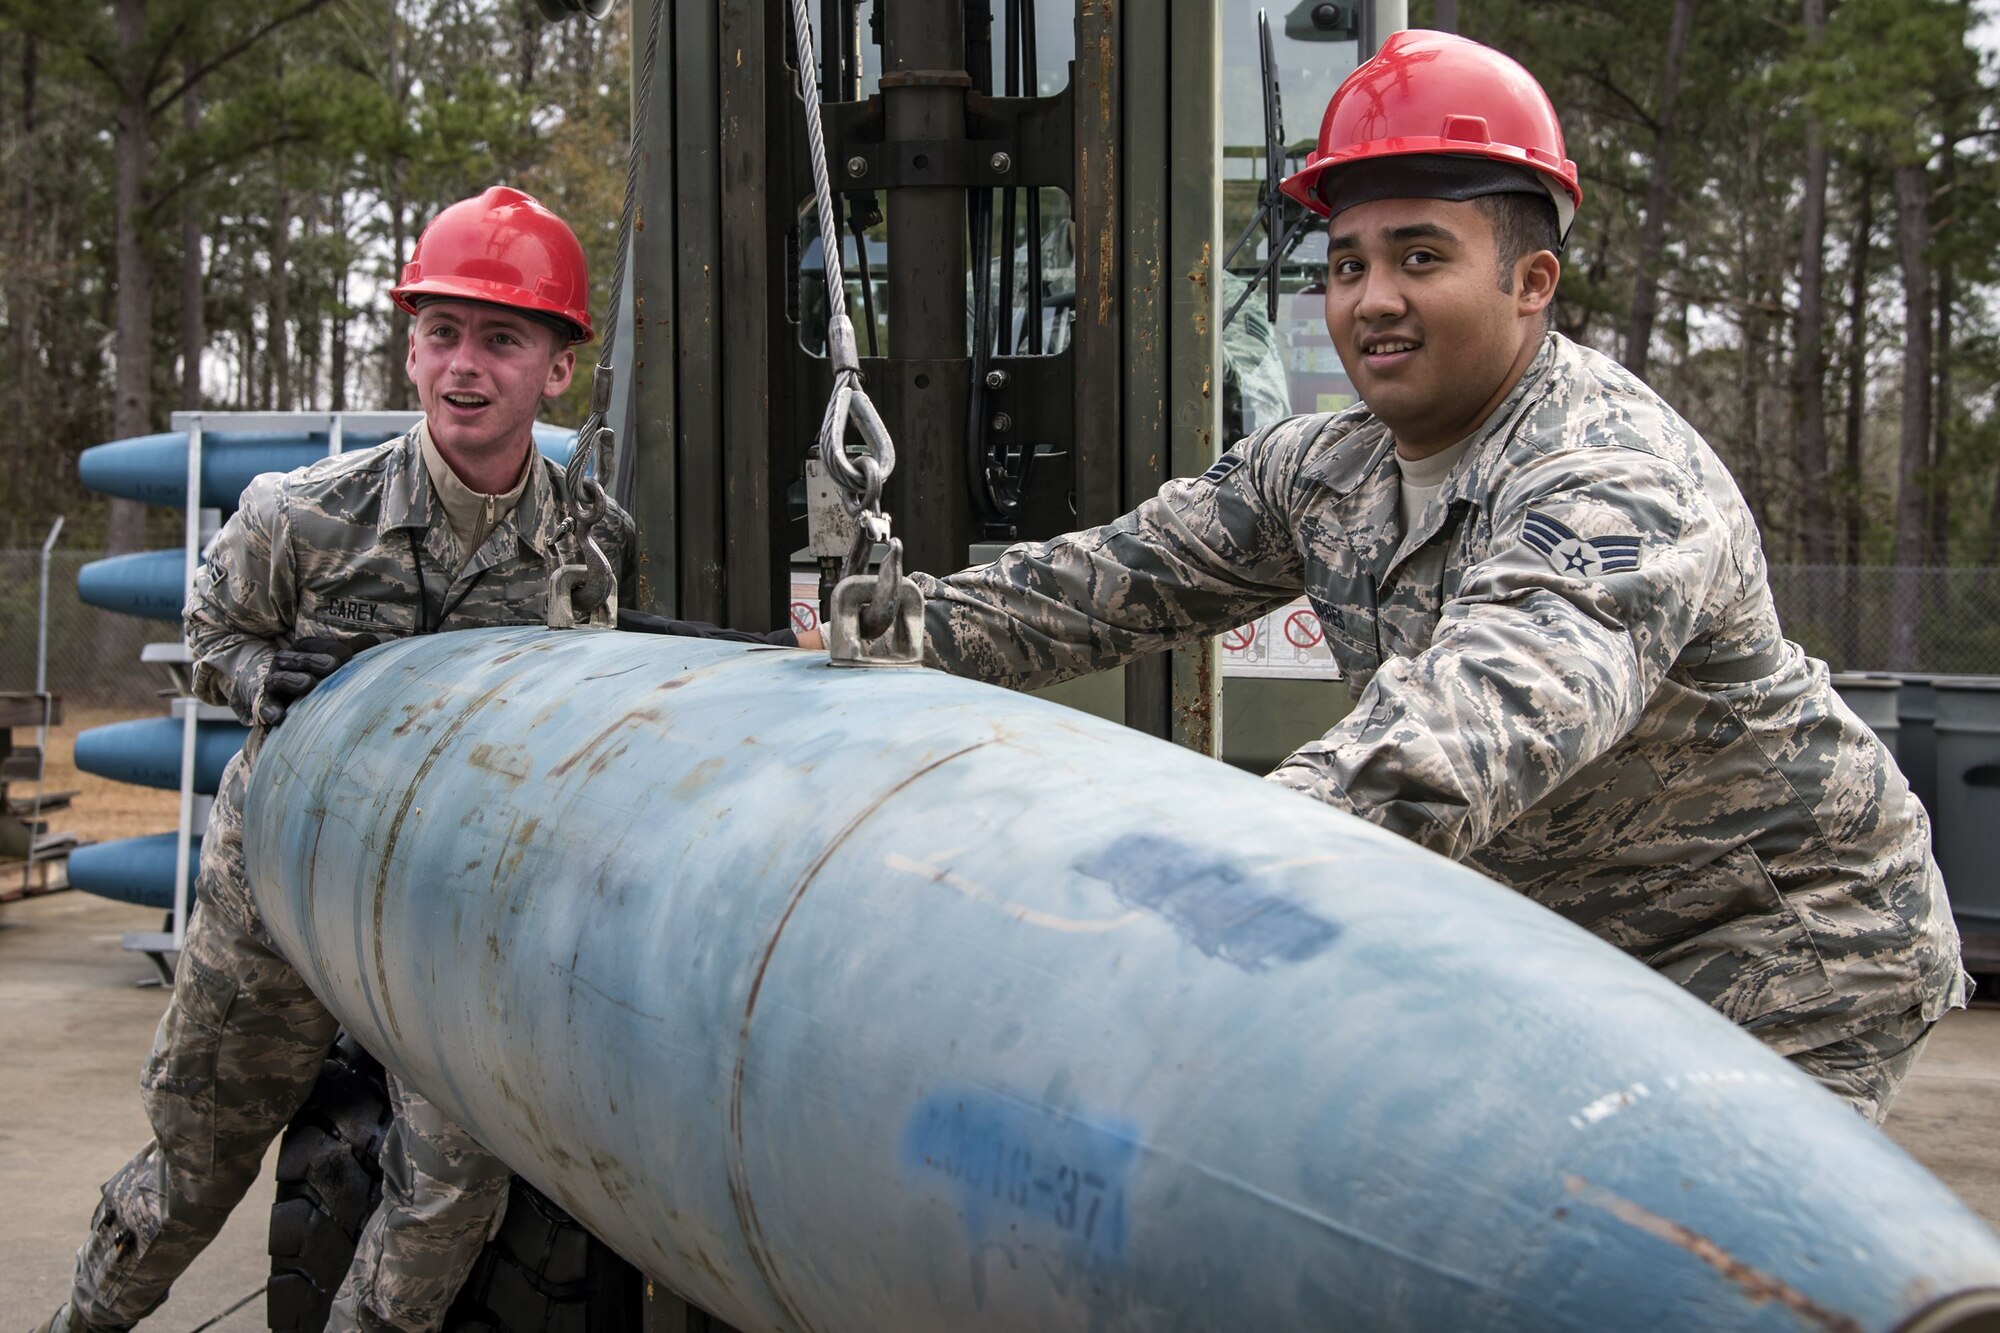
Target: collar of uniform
[1354, 449]
[406, 490]
[1374, 518]
[534, 518]
[530, 522]
[1471, 479]
[464, 508]
[1347, 453]
[409, 502]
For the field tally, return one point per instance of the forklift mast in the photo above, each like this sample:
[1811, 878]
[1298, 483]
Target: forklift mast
[1036, 199]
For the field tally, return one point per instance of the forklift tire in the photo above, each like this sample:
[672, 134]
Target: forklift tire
[329, 1180]
[542, 1273]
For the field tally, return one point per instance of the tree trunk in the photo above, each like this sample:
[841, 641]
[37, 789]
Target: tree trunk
[194, 323]
[1857, 406]
[1809, 360]
[132, 393]
[27, 281]
[528, 45]
[266, 398]
[281, 288]
[1851, 463]
[247, 332]
[1989, 550]
[336, 372]
[1939, 545]
[396, 384]
[1759, 478]
[308, 344]
[1912, 238]
[1749, 361]
[1653, 235]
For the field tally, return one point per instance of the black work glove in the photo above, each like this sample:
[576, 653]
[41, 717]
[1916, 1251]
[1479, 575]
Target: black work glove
[297, 669]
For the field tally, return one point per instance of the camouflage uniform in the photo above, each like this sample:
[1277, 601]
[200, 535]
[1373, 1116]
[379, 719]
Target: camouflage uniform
[1591, 702]
[358, 543]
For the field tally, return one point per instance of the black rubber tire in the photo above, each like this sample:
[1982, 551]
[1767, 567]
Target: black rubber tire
[329, 1180]
[543, 1273]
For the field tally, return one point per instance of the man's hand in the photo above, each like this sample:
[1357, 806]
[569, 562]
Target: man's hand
[297, 669]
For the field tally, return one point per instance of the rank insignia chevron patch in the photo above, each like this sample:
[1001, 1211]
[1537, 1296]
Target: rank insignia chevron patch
[1584, 557]
[1222, 467]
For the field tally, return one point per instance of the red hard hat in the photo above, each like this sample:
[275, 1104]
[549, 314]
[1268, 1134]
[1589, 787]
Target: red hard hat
[502, 248]
[1435, 93]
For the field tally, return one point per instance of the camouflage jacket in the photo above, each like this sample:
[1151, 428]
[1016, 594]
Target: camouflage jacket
[1592, 704]
[360, 544]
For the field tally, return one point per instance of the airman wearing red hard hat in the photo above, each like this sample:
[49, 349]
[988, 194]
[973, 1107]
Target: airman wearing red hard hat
[504, 249]
[1544, 589]
[499, 290]
[1429, 96]
[452, 526]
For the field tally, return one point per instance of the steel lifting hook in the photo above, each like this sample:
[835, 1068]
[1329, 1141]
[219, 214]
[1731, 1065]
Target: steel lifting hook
[584, 594]
[878, 621]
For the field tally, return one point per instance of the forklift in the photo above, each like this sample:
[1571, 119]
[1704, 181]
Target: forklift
[1071, 277]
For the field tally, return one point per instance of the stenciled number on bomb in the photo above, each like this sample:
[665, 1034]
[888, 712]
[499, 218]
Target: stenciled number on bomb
[1077, 1199]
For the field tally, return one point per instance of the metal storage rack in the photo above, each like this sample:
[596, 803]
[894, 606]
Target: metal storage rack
[200, 528]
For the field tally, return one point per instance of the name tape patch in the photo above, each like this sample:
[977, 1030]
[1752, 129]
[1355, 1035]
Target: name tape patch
[355, 610]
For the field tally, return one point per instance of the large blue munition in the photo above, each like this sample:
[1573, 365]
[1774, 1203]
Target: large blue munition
[152, 584]
[153, 468]
[874, 1000]
[147, 752]
[133, 870]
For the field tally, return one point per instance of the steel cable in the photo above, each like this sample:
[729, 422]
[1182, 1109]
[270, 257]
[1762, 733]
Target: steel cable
[600, 389]
[860, 479]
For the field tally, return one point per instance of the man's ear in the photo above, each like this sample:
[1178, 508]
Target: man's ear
[561, 371]
[410, 361]
[1535, 279]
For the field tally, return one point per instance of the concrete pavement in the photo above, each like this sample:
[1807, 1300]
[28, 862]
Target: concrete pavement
[74, 1028]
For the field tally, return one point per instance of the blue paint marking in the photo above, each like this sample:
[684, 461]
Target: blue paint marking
[1016, 1167]
[1213, 902]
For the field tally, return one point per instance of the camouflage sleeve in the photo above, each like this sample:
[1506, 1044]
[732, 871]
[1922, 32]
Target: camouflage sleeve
[1204, 555]
[245, 600]
[1601, 564]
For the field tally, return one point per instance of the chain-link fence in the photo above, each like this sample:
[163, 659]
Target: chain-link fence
[1878, 618]
[1844, 615]
[93, 654]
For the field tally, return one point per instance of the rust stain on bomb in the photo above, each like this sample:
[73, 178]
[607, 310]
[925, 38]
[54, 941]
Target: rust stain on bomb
[635, 716]
[1755, 1284]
